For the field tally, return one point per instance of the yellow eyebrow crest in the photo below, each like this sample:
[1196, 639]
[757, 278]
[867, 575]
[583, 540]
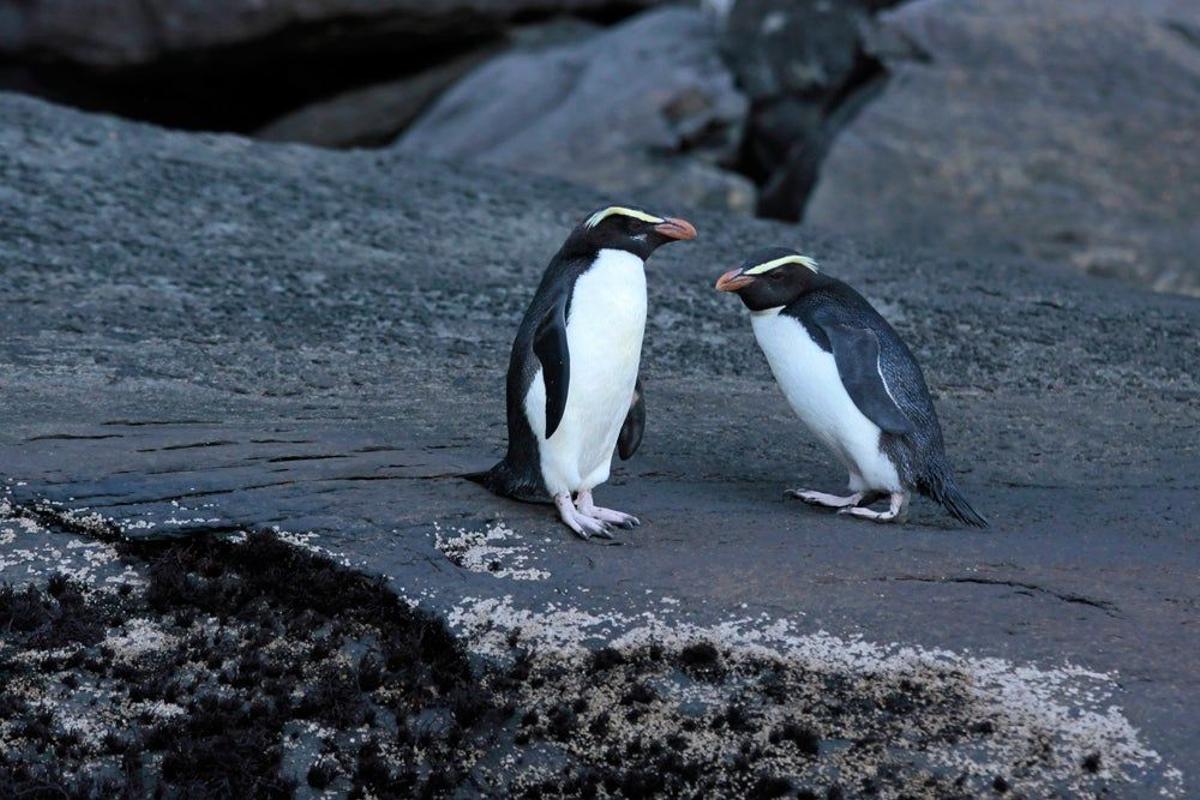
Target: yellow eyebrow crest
[803, 261]
[600, 216]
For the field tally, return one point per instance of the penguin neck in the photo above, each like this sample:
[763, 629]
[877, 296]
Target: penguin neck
[767, 312]
[619, 277]
[618, 255]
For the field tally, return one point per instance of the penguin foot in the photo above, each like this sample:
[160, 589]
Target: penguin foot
[584, 526]
[897, 510]
[583, 502]
[826, 500]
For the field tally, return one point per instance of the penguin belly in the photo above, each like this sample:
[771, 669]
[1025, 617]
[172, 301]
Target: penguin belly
[810, 381]
[605, 323]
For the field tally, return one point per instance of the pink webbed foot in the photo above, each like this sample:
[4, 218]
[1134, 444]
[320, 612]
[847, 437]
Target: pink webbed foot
[583, 502]
[897, 510]
[826, 500]
[583, 525]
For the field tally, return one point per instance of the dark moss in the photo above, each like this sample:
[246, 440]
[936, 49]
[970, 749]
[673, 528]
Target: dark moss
[737, 718]
[606, 658]
[32, 617]
[321, 774]
[702, 660]
[804, 738]
[228, 743]
[639, 693]
[250, 656]
[769, 786]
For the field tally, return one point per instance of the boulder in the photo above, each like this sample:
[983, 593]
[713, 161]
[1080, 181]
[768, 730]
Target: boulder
[375, 115]
[1065, 131]
[646, 108]
[126, 33]
[803, 65]
[372, 115]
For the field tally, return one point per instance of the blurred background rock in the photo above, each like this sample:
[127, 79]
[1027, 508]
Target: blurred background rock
[1061, 130]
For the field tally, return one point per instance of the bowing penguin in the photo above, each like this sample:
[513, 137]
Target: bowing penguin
[573, 392]
[852, 381]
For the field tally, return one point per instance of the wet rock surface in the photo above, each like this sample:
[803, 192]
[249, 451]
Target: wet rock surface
[1063, 131]
[201, 334]
[254, 665]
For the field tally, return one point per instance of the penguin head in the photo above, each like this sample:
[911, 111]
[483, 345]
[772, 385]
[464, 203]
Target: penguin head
[627, 228]
[770, 278]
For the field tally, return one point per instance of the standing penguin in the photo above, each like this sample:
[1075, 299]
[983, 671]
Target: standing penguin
[852, 381]
[573, 391]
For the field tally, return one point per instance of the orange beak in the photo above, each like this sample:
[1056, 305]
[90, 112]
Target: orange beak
[674, 228]
[733, 280]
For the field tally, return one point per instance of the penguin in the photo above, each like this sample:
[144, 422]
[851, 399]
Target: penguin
[852, 381]
[573, 392]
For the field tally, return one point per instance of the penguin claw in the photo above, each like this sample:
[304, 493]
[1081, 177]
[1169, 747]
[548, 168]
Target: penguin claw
[584, 525]
[897, 510]
[606, 515]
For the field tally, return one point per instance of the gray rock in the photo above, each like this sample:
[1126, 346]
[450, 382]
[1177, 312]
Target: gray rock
[203, 333]
[375, 115]
[1064, 131]
[372, 115]
[788, 47]
[124, 33]
[615, 111]
[803, 65]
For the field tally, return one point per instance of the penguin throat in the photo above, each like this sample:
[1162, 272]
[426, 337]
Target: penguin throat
[767, 312]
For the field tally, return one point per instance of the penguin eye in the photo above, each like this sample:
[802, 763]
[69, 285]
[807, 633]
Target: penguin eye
[776, 275]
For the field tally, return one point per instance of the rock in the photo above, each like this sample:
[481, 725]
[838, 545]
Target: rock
[374, 115]
[126, 33]
[802, 64]
[780, 48]
[370, 116]
[646, 108]
[240, 65]
[1069, 132]
[204, 333]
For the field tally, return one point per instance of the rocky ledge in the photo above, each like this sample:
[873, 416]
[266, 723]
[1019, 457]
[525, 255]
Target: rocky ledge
[203, 336]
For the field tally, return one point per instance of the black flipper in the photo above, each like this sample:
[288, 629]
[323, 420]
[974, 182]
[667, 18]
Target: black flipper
[635, 424]
[856, 351]
[550, 347]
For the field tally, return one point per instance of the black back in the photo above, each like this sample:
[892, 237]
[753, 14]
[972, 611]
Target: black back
[831, 302]
[522, 457]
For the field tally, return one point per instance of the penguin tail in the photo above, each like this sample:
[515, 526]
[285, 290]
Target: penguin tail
[482, 478]
[945, 491]
[505, 481]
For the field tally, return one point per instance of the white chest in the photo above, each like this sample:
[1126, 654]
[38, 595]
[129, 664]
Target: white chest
[604, 334]
[604, 337]
[809, 379]
[608, 313]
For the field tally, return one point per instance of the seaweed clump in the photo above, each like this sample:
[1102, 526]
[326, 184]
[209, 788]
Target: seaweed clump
[233, 655]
